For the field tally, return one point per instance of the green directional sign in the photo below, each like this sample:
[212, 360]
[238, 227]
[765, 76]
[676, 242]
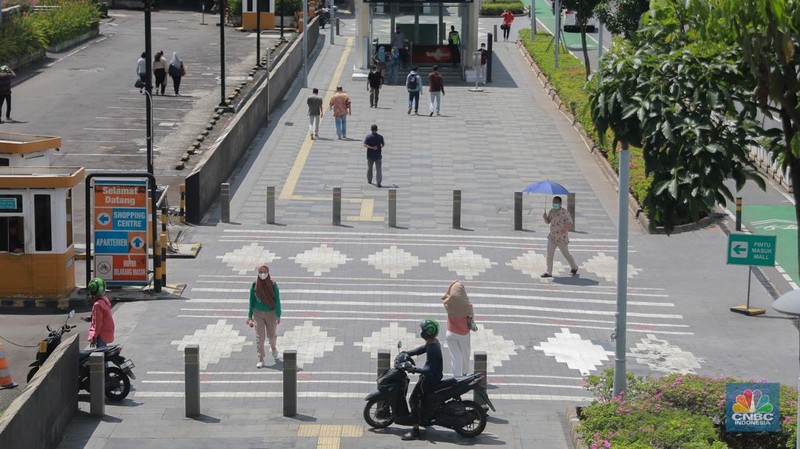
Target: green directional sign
[749, 249]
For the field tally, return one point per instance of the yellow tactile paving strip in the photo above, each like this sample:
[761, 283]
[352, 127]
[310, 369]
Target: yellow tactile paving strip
[328, 435]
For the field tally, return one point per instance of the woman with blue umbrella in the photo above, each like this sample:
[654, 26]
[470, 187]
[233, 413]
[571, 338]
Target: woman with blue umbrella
[560, 223]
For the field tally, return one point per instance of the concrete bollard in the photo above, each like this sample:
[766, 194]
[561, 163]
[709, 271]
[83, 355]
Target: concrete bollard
[456, 209]
[384, 361]
[225, 202]
[163, 259]
[494, 33]
[97, 379]
[289, 383]
[738, 213]
[517, 211]
[191, 362]
[480, 367]
[571, 209]
[392, 208]
[337, 206]
[271, 205]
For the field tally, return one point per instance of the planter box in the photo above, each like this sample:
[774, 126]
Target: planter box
[61, 46]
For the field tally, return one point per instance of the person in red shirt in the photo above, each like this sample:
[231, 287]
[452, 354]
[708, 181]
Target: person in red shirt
[508, 17]
[101, 331]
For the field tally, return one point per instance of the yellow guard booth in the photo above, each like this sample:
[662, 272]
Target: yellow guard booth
[37, 254]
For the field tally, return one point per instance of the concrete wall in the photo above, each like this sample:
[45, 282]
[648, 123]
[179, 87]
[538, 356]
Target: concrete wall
[38, 417]
[203, 184]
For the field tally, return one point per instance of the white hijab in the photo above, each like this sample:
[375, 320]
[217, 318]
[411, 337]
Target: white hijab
[176, 61]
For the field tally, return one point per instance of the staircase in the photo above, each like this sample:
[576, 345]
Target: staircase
[452, 75]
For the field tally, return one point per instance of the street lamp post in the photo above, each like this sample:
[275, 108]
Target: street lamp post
[258, 30]
[148, 85]
[622, 272]
[305, 43]
[282, 12]
[222, 8]
[789, 303]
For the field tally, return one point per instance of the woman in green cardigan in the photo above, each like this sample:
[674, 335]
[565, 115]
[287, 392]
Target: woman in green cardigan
[265, 312]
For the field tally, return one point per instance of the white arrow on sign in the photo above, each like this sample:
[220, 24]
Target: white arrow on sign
[137, 243]
[739, 250]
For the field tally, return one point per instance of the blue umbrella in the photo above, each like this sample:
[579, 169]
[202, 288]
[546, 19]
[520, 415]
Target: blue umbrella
[546, 187]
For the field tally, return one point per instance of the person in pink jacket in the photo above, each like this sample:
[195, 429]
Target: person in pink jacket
[101, 331]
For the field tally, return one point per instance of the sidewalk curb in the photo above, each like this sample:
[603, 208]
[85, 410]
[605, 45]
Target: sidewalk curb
[573, 422]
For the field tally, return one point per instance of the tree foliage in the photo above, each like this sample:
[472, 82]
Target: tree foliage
[686, 101]
[621, 17]
[584, 10]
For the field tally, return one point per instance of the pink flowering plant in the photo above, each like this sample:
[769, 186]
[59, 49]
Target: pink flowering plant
[674, 412]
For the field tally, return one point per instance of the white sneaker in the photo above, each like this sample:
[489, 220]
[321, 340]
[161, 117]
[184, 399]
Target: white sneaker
[260, 364]
[275, 353]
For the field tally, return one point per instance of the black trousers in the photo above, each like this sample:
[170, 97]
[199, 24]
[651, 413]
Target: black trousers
[161, 80]
[455, 54]
[416, 399]
[7, 100]
[176, 83]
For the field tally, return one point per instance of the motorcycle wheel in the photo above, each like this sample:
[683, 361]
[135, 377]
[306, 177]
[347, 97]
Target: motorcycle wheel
[32, 373]
[374, 411]
[117, 384]
[478, 423]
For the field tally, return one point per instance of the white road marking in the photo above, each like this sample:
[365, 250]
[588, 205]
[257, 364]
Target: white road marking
[394, 236]
[342, 373]
[340, 395]
[218, 341]
[577, 353]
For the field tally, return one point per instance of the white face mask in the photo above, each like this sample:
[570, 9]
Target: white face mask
[263, 276]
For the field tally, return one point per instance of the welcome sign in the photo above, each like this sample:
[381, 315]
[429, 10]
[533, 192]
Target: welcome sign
[752, 407]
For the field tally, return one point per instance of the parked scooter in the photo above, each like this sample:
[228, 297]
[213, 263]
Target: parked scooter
[442, 407]
[118, 369]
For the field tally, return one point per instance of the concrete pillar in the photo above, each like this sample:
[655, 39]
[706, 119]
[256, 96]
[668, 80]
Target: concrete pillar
[191, 361]
[289, 383]
[480, 367]
[337, 206]
[571, 209]
[97, 380]
[225, 202]
[392, 208]
[271, 205]
[517, 211]
[384, 361]
[456, 209]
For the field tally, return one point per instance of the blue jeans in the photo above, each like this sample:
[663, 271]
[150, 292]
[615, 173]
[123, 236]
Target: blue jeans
[99, 343]
[413, 97]
[341, 126]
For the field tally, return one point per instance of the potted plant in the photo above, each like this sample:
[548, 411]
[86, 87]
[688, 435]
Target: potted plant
[235, 8]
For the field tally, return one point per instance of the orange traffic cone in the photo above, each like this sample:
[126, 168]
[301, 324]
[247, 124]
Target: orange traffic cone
[5, 372]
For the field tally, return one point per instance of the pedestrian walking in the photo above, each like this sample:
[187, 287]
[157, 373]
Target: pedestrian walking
[453, 43]
[398, 40]
[314, 113]
[394, 65]
[101, 331]
[160, 71]
[265, 312]
[374, 83]
[560, 223]
[481, 69]
[176, 71]
[508, 17]
[374, 143]
[141, 71]
[436, 89]
[460, 320]
[380, 58]
[414, 87]
[340, 104]
[6, 75]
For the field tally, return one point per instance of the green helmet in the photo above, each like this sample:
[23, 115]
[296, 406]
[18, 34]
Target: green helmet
[429, 329]
[97, 287]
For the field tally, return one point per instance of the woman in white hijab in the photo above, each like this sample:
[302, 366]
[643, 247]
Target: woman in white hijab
[176, 72]
[459, 323]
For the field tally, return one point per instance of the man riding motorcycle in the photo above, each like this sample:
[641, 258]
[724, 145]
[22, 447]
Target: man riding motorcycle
[431, 373]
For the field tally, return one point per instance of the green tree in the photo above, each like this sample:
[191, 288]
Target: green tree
[584, 10]
[768, 33]
[687, 102]
[621, 17]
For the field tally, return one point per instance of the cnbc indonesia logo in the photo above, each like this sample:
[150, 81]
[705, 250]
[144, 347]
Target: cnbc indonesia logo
[752, 408]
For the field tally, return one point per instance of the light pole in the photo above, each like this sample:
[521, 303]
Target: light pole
[622, 271]
[557, 36]
[789, 303]
[305, 43]
[533, 19]
[282, 11]
[258, 30]
[222, 7]
[148, 85]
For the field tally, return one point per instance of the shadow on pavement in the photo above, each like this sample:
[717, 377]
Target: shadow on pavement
[500, 76]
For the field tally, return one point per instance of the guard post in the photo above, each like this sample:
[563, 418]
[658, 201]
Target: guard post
[182, 205]
[289, 383]
[392, 208]
[384, 357]
[738, 213]
[191, 361]
[571, 209]
[225, 202]
[337, 206]
[97, 379]
[456, 209]
[517, 211]
[480, 367]
[271, 205]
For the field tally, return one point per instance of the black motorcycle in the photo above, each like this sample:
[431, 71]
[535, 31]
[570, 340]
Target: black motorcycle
[442, 407]
[118, 369]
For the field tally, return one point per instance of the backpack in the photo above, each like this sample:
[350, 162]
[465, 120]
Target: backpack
[412, 82]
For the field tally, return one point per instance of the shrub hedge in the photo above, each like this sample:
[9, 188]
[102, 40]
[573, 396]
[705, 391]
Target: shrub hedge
[32, 31]
[495, 9]
[569, 81]
[675, 411]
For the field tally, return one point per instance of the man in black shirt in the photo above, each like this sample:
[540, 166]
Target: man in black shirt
[374, 83]
[374, 143]
[431, 373]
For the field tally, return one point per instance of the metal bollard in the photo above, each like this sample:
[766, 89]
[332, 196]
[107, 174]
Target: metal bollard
[289, 383]
[571, 209]
[517, 211]
[738, 213]
[337, 206]
[480, 367]
[456, 209]
[225, 202]
[384, 358]
[271, 205]
[392, 208]
[191, 362]
[338, 24]
[182, 206]
[495, 32]
[97, 379]
[163, 259]
[164, 219]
